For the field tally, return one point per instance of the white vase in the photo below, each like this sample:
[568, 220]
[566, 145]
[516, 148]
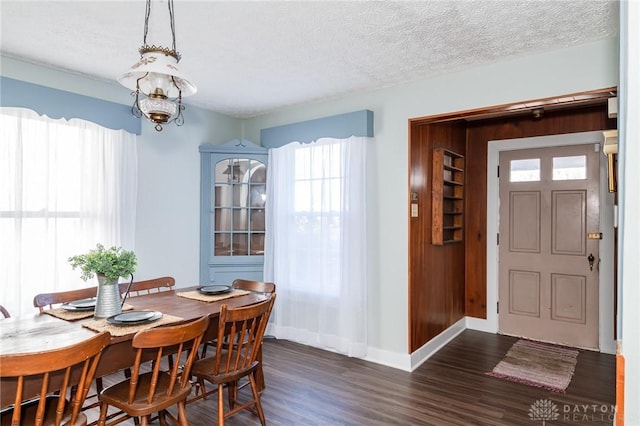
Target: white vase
[108, 301]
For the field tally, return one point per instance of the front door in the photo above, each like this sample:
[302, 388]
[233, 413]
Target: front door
[548, 261]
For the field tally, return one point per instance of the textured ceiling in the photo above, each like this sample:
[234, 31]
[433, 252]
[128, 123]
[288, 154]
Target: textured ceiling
[252, 57]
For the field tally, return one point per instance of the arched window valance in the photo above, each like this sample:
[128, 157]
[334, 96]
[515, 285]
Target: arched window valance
[55, 103]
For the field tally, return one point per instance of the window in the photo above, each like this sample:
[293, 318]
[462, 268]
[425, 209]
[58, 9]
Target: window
[316, 245]
[64, 186]
[318, 214]
[527, 170]
[570, 168]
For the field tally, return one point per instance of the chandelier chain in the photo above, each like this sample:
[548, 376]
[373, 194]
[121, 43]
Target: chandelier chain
[173, 25]
[171, 22]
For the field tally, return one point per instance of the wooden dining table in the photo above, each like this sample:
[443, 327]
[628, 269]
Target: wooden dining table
[41, 332]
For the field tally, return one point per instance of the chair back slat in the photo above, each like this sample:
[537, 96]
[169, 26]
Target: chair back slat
[72, 367]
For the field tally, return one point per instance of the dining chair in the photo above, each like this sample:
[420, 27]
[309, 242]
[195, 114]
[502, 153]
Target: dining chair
[149, 392]
[48, 300]
[74, 366]
[254, 286]
[245, 326]
[4, 312]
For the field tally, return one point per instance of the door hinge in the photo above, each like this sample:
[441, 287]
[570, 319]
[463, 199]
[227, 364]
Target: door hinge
[497, 239]
[498, 171]
[497, 307]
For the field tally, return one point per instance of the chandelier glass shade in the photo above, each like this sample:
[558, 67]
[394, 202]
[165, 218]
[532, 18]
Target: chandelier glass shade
[156, 80]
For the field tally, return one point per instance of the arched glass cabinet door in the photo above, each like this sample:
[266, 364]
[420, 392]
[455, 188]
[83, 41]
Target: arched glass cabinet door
[239, 201]
[232, 211]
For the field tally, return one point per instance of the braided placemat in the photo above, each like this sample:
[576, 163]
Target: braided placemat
[123, 330]
[67, 315]
[196, 295]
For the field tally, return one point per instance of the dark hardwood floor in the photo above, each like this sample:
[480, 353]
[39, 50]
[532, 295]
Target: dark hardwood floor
[307, 386]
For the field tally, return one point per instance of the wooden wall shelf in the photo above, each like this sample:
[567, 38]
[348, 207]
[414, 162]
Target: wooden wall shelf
[447, 203]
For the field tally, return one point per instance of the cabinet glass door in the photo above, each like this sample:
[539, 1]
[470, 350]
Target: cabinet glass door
[238, 207]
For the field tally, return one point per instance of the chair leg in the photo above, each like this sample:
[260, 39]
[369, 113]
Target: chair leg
[103, 414]
[232, 389]
[162, 418]
[256, 397]
[182, 414]
[220, 405]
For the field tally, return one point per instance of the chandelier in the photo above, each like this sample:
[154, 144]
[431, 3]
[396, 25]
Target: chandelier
[156, 80]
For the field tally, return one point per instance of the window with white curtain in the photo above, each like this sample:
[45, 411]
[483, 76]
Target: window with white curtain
[318, 217]
[64, 187]
[316, 245]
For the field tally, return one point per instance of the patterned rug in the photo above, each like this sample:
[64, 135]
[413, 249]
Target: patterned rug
[538, 364]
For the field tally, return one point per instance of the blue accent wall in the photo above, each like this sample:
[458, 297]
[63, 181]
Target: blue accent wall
[357, 123]
[56, 103]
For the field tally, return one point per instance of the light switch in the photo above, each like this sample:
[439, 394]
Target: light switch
[414, 209]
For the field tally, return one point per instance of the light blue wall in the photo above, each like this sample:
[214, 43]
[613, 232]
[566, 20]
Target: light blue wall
[168, 200]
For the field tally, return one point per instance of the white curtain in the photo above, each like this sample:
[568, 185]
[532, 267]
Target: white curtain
[315, 248]
[64, 187]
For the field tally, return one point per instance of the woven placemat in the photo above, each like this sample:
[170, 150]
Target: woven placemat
[67, 315]
[120, 330]
[196, 295]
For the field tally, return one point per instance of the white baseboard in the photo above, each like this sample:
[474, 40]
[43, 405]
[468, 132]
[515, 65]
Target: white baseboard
[479, 324]
[388, 358]
[409, 362]
[435, 344]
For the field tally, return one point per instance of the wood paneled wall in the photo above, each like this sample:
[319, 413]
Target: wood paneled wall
[436, 272]
[448, 282]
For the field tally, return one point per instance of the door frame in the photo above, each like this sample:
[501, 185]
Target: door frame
[606, 275]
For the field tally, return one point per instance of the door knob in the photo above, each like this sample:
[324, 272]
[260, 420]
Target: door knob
[591, 259]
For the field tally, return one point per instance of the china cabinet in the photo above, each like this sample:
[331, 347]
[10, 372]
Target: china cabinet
[232, 217]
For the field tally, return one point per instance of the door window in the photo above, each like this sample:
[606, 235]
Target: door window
[570, 168]
[527, 170]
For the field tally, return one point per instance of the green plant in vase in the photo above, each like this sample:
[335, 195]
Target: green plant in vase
[108, 264]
